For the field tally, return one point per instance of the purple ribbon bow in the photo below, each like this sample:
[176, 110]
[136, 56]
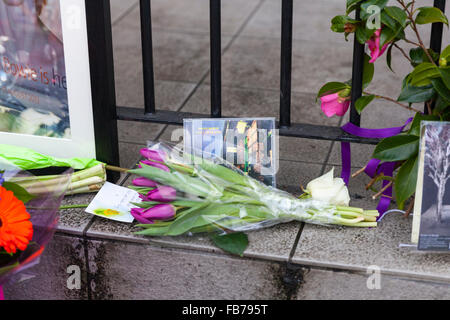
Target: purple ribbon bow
[374, 167]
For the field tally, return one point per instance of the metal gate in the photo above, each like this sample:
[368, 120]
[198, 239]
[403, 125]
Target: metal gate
[106, 112]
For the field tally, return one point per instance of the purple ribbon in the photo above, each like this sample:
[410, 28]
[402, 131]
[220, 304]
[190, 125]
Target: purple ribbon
[374, 167]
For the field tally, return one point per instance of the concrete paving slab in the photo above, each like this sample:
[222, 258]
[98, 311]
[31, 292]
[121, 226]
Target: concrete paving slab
[355, 249]
[120, 8]
[193, 16]
[282, 237]
[54, 277]
[337, 285]
[162, 273]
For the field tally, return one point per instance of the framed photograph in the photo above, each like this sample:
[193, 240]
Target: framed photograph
[45, 77]
[431, 224]
[250, 144]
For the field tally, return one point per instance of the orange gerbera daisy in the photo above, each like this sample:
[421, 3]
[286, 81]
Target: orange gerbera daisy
[16, 230]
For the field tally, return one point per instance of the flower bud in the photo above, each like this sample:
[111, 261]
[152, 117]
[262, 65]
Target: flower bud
[144, 182]
[154, 164]
[349, 27]
[155, 155]
[136, 214]
[329, 189]
[162, 194]
[159, 212]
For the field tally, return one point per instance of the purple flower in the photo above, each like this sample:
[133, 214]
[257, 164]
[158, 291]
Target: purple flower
[139, 218]
[154, 164]
[1, 178]
[144, 182]
[155, 155]
[162, 194]
[158, 212]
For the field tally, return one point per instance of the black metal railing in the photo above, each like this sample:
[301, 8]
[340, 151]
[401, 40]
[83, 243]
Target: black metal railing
[107, 113]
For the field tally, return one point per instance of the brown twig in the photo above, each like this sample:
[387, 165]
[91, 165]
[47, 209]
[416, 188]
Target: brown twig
[403, 52]
[357, 173]
[374, 197]
[371, 183]
[414, 28]
[428, 104]
[410, 208]
[394, 101]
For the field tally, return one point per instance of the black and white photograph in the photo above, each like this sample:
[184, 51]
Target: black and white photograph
[435, 217]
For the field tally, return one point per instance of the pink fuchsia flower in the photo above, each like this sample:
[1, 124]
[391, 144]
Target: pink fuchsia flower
[334, 104]
[158, 212]
[162, 194]
[374, 46]
[144, 182]
[154, 164]
[155, 155]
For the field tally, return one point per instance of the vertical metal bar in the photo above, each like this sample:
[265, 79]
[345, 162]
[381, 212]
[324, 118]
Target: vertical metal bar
[286, 63]
[98, 20]
[357, 76]
[436, 38]
[147, 56]
[216, 58]
[437, 28]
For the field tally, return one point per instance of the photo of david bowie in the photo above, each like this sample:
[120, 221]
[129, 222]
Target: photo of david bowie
[33, 84]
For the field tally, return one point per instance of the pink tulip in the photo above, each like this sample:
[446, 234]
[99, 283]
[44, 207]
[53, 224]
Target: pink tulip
[155, 155]
[139, 218]
[154, 164]
[161, 194]
[158, 212]
[333, 104]
[374, 46]
[144, 182]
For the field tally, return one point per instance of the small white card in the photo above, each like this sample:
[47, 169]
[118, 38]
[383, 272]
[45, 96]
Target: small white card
[114, 202]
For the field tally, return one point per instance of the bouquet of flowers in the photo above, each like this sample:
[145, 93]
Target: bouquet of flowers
[27, 222]
[182, 194]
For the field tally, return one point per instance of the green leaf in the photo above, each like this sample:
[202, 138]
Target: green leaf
[369, 70]
[388, 22]
[352, 5]
[181, 182]
[380, 3]
[363, 34]
[418, 56]
[338, 23]
[19, 192]
[445, 75]
[446, 53]
[397, 14]
[430, 15]
[413, 94]
[332, 87]
[405, 181]
[389, 57]
[234, 243]
[202, 216]
[418, 118]
[423, 73]
[362, 102]
[440, 106]
[397, 148]
[441, 89]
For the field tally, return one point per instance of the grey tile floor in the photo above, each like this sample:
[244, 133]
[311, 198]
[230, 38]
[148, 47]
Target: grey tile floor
[251, 53]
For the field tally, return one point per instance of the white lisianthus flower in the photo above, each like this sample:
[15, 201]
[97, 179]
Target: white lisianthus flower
[329, 189]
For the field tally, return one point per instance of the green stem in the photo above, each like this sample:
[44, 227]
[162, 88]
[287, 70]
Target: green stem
[73, 206]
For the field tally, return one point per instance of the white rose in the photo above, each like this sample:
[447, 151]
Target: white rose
[329, 189]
